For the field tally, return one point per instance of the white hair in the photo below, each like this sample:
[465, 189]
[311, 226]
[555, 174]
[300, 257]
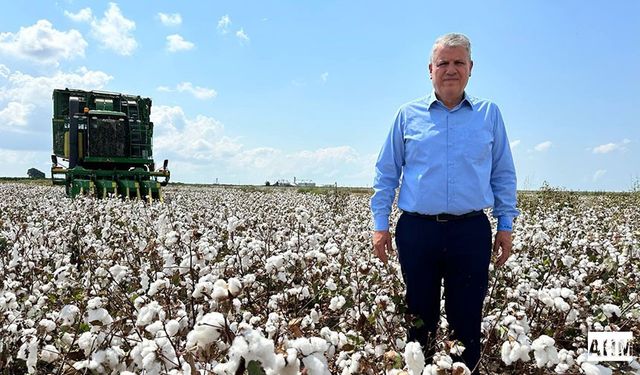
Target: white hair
[452, 40]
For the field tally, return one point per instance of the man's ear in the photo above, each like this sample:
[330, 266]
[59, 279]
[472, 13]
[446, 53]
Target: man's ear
[470, 68]
[430, 71]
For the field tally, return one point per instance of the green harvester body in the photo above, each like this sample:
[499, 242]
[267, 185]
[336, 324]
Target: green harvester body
[107, 139]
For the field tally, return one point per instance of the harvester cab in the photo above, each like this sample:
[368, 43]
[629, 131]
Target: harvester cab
[106, 138]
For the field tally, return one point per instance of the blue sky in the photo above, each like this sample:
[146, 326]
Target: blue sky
[249, 91]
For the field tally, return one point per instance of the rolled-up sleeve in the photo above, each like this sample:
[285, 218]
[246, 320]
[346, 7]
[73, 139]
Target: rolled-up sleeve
[388, 170]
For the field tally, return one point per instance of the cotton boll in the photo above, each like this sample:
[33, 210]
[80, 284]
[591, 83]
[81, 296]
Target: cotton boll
[144, 356]
[235, 286]
[172, 327]
[337, 303]
[560, 304]
[154, 327]
[545, 352]
[48, 325]
[287, 364]
[460, 368]
[148, 313]
[118, 272]
[99, 316]
[562, 368]
[505, 352]
[610, 310]
[28, 352]
[331, 285]
[220, 290]
[274, 263]
[49, 354]
[316, 364]
[443, 361]
[201, 289]
[233, 223]
[206, 331]
[260, 348]
[94, 303]
[430, 370]
[593, 369]
[457, 349]
[157, 286]
[414, 358]
[171, 239]
[68, 314]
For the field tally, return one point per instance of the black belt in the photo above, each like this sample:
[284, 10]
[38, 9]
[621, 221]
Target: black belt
[442, 218]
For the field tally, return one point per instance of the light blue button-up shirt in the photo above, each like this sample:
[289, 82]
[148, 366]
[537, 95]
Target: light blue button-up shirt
[450, 161]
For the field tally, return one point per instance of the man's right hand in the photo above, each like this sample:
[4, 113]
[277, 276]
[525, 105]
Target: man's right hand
[382, 244]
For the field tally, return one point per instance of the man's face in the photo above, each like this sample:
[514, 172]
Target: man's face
[450, 70]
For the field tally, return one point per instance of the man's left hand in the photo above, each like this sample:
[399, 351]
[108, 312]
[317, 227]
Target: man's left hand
[502, 246]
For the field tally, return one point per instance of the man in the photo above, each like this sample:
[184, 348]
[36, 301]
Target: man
[452, 153]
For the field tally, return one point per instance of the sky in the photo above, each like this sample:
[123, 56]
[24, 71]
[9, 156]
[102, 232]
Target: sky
[251, 91]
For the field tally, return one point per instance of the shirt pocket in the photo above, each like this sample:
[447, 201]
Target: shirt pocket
[478, 145]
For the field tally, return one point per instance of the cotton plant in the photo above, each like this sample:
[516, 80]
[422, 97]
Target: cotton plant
[544, 351]
[278, 267]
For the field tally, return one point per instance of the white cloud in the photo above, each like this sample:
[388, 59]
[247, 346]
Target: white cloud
[15, 114]
[544, 146]
[224, 23]
[324, 76]
[198, 145]
[599, 173]
[196, 91]
[25, 88]
[514, 144]
[200, 138]
[609, 147]
[84, 15]
[173, 19]
[242, 35]
[42, 43]
[4, 71]
[177, 43]
[113, 31]
[22, 94]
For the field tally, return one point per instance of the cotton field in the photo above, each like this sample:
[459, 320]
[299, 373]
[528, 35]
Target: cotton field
[232, 281]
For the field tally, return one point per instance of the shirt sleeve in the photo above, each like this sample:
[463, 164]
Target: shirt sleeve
[387, 174]
[503, 176]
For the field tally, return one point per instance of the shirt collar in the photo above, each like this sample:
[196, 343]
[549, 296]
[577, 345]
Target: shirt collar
[431, 98]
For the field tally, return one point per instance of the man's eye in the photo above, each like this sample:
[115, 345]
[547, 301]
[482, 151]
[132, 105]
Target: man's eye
[441, 64]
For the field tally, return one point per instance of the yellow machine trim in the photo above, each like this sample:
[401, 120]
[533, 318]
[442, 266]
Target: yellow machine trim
[80, 143]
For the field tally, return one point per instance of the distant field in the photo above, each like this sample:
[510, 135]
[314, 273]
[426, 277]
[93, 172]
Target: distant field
[255, 279]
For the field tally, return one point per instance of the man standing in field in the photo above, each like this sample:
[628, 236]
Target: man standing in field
[452, 153]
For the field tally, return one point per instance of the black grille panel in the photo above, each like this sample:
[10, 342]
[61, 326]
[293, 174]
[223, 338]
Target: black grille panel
[107, 138]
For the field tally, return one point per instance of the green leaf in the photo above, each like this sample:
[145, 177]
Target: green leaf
[255, 368]
[84, 327]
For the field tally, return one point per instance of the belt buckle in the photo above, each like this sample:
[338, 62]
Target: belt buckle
[439, 220]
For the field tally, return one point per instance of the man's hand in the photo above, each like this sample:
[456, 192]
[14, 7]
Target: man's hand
[502, 246]
[382, 244]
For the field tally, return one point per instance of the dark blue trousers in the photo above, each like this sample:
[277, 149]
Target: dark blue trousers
[458, 251]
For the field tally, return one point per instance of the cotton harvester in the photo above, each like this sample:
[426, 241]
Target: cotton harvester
[107, 139]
